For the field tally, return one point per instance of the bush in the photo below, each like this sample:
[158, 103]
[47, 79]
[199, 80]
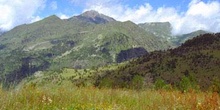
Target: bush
[187, 83]
[161, 84]
[137, 82]
[215, 87]
[106, 83]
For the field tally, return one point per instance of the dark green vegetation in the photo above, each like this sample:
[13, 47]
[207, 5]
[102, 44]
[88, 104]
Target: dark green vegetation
[125, 55]
[193, 65]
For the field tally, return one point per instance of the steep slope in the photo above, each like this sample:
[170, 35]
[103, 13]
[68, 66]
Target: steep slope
[106, 41]
[159, 29]
[196, 62]
[182, 38]
[84, 41]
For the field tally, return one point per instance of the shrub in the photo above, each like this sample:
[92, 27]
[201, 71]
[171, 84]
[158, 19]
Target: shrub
[137, 82]
[106, 83]
[215, 87]
[161, 84]
[187, 83]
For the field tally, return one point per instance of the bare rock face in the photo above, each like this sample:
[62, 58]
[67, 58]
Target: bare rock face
[95, 17]
[125, 55]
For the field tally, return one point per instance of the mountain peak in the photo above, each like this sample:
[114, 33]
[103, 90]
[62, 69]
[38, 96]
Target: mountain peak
[94, 17]
[91, 13]
[53, 17]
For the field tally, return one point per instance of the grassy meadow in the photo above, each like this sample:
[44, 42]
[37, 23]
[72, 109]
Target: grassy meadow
[59, 91]
[70, 97]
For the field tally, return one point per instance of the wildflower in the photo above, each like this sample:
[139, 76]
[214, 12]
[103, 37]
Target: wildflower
[46, 100]
[199, 105]
[49, 99]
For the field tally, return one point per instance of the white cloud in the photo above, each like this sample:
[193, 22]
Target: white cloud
[203, 9]
[16, 12]
[53, 5]
[35, 19]
[63, 16]
[199, 15]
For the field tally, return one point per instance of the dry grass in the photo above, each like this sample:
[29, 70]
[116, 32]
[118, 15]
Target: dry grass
[89, 98]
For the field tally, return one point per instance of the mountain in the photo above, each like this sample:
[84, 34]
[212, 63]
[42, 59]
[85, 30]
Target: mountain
[94, 17]
[159, 29]
[84, 41]
[195, 64]
[179, 39]
[163, 30]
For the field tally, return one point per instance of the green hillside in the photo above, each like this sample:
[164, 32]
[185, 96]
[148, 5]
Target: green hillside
[84, 41]
[179, 39]
[160, 29]
[195, 64]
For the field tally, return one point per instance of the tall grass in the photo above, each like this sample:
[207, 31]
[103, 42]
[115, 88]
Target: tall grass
[68, 97]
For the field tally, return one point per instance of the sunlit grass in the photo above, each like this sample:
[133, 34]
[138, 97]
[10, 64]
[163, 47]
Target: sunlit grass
[69, 97]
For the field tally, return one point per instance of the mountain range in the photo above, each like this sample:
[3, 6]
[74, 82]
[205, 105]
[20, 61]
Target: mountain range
[195, 64]
[84, 41]
[180, 39]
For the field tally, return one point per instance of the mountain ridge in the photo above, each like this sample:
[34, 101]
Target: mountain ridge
[182, 38]
[53, 44]
[94, 17]
[197, 59]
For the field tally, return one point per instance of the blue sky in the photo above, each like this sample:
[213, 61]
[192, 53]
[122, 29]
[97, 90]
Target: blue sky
[72, 7]
[184, 15]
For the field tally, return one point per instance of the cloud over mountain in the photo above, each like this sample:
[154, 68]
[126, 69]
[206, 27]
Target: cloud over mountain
[199, 15]
[16, 12]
